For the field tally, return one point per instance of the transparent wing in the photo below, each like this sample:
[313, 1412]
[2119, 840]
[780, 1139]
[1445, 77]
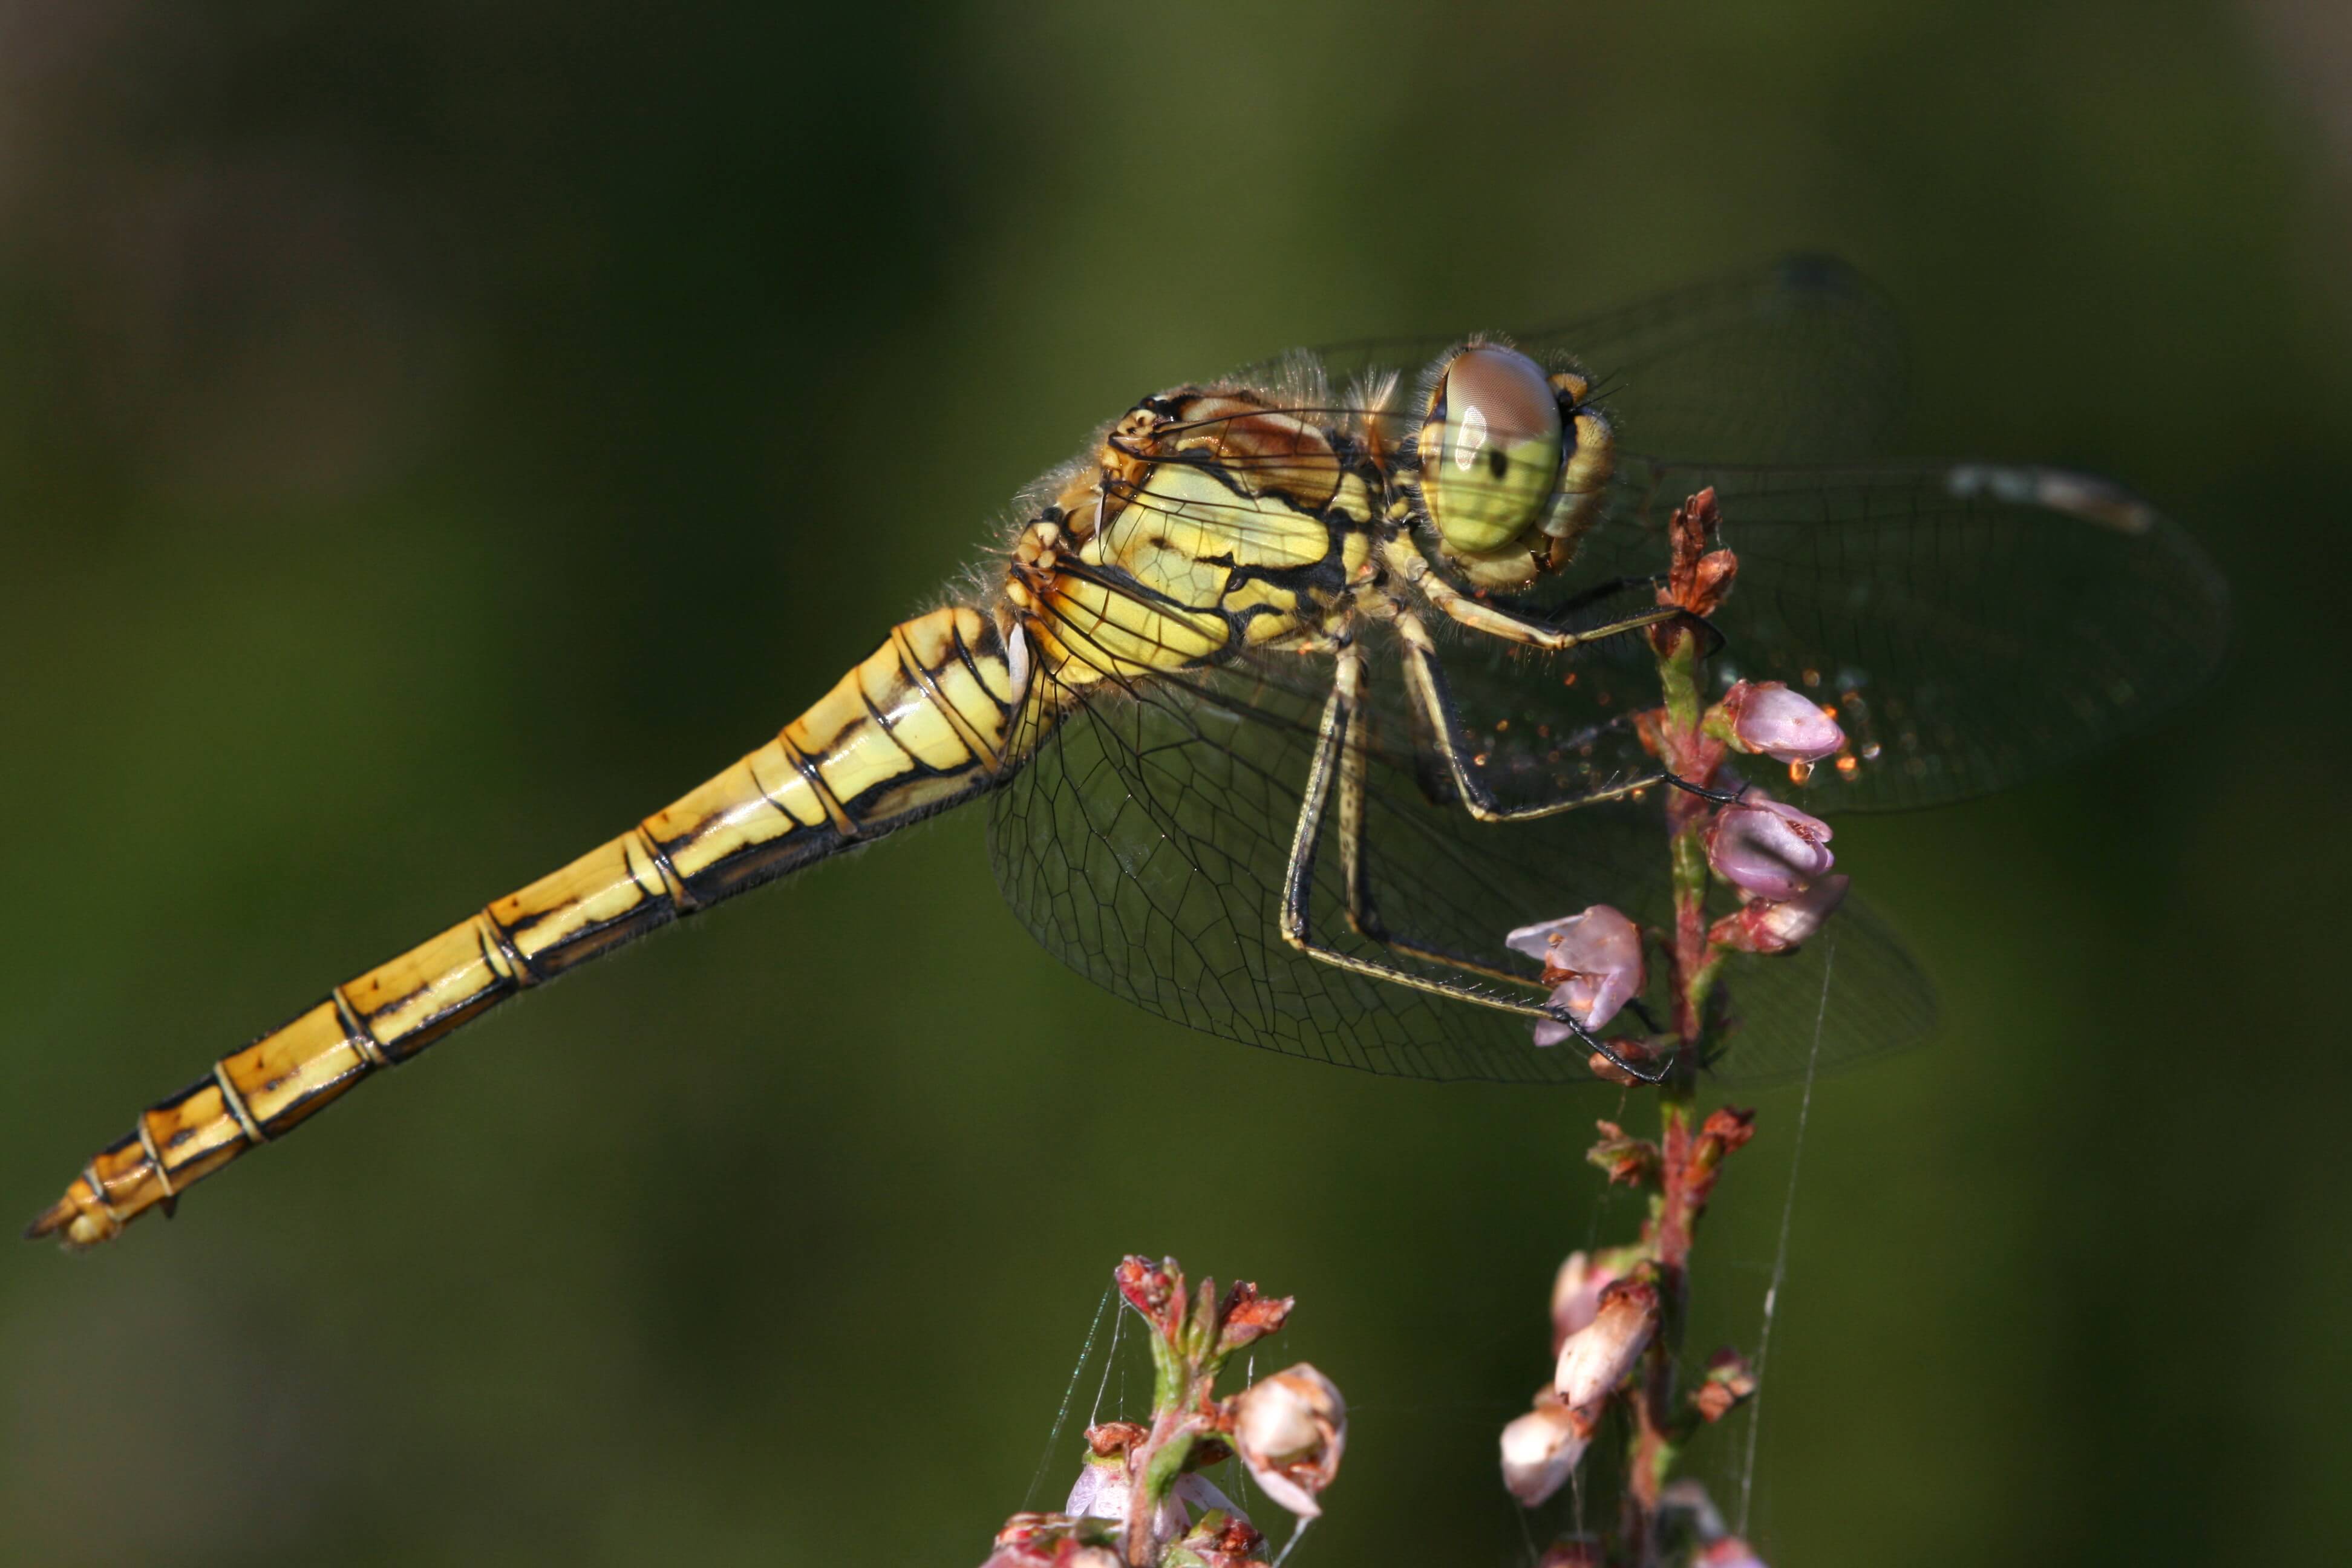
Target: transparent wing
[1972, 624]
[1801, 360]
[1146, 842]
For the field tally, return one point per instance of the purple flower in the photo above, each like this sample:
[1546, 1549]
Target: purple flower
[1594, 961]
[1765, 716]
[1767, 850]
[1763, 927]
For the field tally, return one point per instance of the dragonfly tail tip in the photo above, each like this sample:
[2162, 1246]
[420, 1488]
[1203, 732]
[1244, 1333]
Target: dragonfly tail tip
[50, 1220]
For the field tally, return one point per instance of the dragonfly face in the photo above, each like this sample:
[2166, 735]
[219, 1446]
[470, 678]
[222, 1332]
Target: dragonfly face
[1290, 703]
[1509, 464]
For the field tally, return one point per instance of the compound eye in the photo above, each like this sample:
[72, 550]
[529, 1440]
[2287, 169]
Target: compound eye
[1490, 448]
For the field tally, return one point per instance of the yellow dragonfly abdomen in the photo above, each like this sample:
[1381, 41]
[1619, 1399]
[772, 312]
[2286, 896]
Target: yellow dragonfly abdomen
[925, 720]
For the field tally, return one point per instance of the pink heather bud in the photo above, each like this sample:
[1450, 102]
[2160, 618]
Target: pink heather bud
[1245, 1317]
[1765, 716]
[1596, 1358]
[1542, 1448]
[1594, 960]
[1730, 1551]
[1697, 578]
[1775, 928]
[1154, 1290]
[1290, 1429]
[1576, 1295]
[1729, 1383]
[1767, 850]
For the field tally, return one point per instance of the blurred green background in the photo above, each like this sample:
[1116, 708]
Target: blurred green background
[432, 436]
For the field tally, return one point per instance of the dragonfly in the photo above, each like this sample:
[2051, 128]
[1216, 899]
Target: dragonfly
[1296, 691]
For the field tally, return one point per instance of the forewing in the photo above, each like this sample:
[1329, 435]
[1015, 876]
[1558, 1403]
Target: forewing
[1971, 625]
[1145, 844]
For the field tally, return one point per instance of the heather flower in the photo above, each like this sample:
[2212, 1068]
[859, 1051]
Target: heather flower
[1766, 717]
[1542, 1448]
[1105, 1492]
[1767, 850]
[1594, 962]
[1763, 927]
[1596, 1358]
[1290, 1429]
[1576, 1294]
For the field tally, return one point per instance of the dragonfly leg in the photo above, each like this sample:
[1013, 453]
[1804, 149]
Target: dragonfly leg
[1363, 911]
[1425, 679]
[1335, 738]
[1403, 557]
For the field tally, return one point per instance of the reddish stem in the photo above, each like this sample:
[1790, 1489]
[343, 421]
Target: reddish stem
[1689, 1157]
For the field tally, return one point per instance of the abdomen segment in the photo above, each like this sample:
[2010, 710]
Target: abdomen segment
[921, 725]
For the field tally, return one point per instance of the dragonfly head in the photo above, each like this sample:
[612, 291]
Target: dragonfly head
[1510, 462]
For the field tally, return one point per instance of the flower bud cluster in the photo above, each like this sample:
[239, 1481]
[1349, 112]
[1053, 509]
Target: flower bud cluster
[1775, 857]
[1140, 1497]
[1778, 860]
[1602, 1319]
[1616, 1315]
[1608, 1310]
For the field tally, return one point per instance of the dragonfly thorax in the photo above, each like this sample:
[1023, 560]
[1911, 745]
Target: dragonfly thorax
[1211, 521]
